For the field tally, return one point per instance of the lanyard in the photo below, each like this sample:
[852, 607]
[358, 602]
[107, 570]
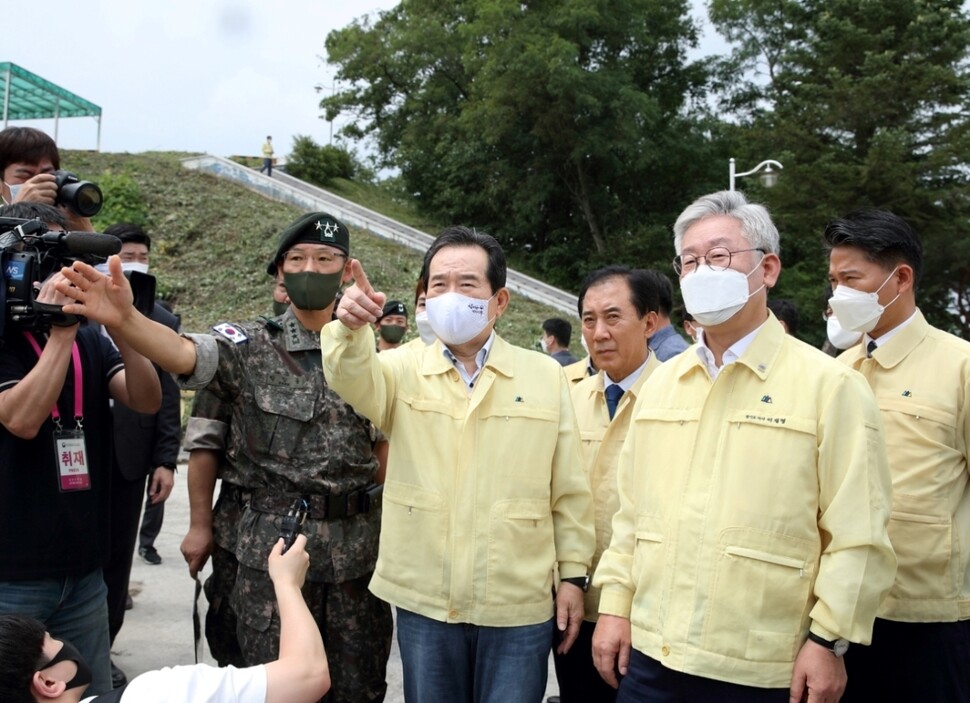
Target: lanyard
[78, 383]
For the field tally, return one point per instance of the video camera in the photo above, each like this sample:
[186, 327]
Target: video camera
[30, 252]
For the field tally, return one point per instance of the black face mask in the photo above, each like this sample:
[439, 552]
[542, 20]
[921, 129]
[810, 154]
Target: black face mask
[279, 308]
[392, 334]
[68, 652]
[309, 290]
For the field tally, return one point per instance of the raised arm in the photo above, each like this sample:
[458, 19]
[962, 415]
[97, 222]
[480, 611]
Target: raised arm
[137, 386]
[108, 300]
[301, 673]
[25, 406]
[350, 363]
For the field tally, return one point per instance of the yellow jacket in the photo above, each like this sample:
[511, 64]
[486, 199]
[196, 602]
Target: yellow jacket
[577, 371]
[751, 508]
[485, 494]
[602, 440]
[921, 379]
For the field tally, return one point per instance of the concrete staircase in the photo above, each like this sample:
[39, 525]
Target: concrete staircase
[285, 188]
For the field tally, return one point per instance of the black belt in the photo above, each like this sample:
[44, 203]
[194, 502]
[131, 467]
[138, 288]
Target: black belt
[320, 507]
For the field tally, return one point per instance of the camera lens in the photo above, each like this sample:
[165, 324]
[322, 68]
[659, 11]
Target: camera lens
[87, 199]
[83, 198]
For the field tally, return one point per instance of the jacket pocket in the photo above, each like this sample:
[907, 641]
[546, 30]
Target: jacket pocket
[922, 538]
[414, 530]
[521, 552]
[648, 571]
[282, 417]
[759, 601]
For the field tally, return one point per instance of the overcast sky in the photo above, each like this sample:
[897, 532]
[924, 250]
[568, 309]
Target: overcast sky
[211, 76]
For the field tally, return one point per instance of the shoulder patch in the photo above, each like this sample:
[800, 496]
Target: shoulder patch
[231, 332]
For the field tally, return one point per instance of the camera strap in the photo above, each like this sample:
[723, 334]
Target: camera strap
[69, 449]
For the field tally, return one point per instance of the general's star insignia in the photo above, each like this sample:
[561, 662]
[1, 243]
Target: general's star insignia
[330, 230]
[319, 225]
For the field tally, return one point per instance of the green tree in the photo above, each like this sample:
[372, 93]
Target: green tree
[123, 201]
[319, 164]
[864, 101]
[570, 129]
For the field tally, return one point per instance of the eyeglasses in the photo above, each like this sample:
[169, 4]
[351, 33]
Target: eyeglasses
[718, 259]
[323, 259]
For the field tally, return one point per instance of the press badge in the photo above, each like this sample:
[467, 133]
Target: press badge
[72, 461]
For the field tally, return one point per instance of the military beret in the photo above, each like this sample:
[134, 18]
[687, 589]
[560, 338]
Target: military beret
[394, 307]
[315, 228]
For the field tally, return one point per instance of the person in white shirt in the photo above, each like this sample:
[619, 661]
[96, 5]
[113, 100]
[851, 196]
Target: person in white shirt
[36, 668]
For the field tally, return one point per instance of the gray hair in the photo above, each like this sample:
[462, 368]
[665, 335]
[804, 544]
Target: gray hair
[756, 225]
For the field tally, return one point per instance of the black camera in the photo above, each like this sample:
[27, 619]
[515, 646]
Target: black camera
[29, 254]
[83, 198]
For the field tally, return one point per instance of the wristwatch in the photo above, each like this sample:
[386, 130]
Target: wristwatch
[838, 647]
[581, 582]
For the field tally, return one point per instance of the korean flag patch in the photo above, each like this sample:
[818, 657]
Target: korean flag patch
[231, 332]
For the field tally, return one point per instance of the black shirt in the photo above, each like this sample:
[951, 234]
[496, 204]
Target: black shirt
[45, 533]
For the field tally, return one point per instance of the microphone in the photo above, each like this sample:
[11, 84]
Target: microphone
[84, 242]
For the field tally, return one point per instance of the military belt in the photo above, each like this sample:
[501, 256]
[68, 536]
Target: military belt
[331, 506]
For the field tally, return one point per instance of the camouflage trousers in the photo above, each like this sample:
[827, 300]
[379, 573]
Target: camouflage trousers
[355, 625]
[220, 618]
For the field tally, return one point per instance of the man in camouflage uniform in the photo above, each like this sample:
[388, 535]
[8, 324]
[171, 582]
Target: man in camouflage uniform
[286, 437]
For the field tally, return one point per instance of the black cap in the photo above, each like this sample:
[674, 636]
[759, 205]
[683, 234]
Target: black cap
[394, 307]
[313, 227]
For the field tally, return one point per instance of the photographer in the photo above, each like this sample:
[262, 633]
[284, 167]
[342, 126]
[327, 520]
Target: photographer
[37, 667]
[29, 167]
[55, 444]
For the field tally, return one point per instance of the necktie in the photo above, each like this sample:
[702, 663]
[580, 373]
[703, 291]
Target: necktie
[870, 347]
[613, 395]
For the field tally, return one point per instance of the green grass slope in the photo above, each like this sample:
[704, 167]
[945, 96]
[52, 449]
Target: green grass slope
[212, 239]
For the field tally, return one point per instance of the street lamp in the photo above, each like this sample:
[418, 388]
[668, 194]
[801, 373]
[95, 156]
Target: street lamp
[768, 177]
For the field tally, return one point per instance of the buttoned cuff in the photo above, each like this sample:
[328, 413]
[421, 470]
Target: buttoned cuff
[825, 634]
[616, 600]
[572, 569]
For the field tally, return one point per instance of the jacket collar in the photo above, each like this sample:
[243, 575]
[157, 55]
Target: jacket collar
[896, 349]
[500, 358]
[760, 356]
[598, 386]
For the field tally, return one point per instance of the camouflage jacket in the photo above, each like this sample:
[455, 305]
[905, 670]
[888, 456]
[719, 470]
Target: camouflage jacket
[285, 434]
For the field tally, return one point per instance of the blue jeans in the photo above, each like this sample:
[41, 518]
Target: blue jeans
[73, 608]
[649, 680]
[459, 663]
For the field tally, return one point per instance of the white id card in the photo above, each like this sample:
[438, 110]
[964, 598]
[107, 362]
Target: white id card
[72, 461]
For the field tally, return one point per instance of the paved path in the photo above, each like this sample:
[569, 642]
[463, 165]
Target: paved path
[158, 630]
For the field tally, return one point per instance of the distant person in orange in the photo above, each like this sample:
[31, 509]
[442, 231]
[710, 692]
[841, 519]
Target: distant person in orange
[267, 157]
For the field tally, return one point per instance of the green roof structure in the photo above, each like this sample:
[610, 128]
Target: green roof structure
[27, 96]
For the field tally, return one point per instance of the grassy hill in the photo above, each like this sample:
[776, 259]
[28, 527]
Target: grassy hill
[212, 240]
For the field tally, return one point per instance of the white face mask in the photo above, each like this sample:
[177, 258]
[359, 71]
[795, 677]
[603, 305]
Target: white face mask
[582, 340]
[840, 338]
[134, 266]
[14, 189]
[857, 310]
[543, 345]
[424, 327]
[713, 297]
[457, 318]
